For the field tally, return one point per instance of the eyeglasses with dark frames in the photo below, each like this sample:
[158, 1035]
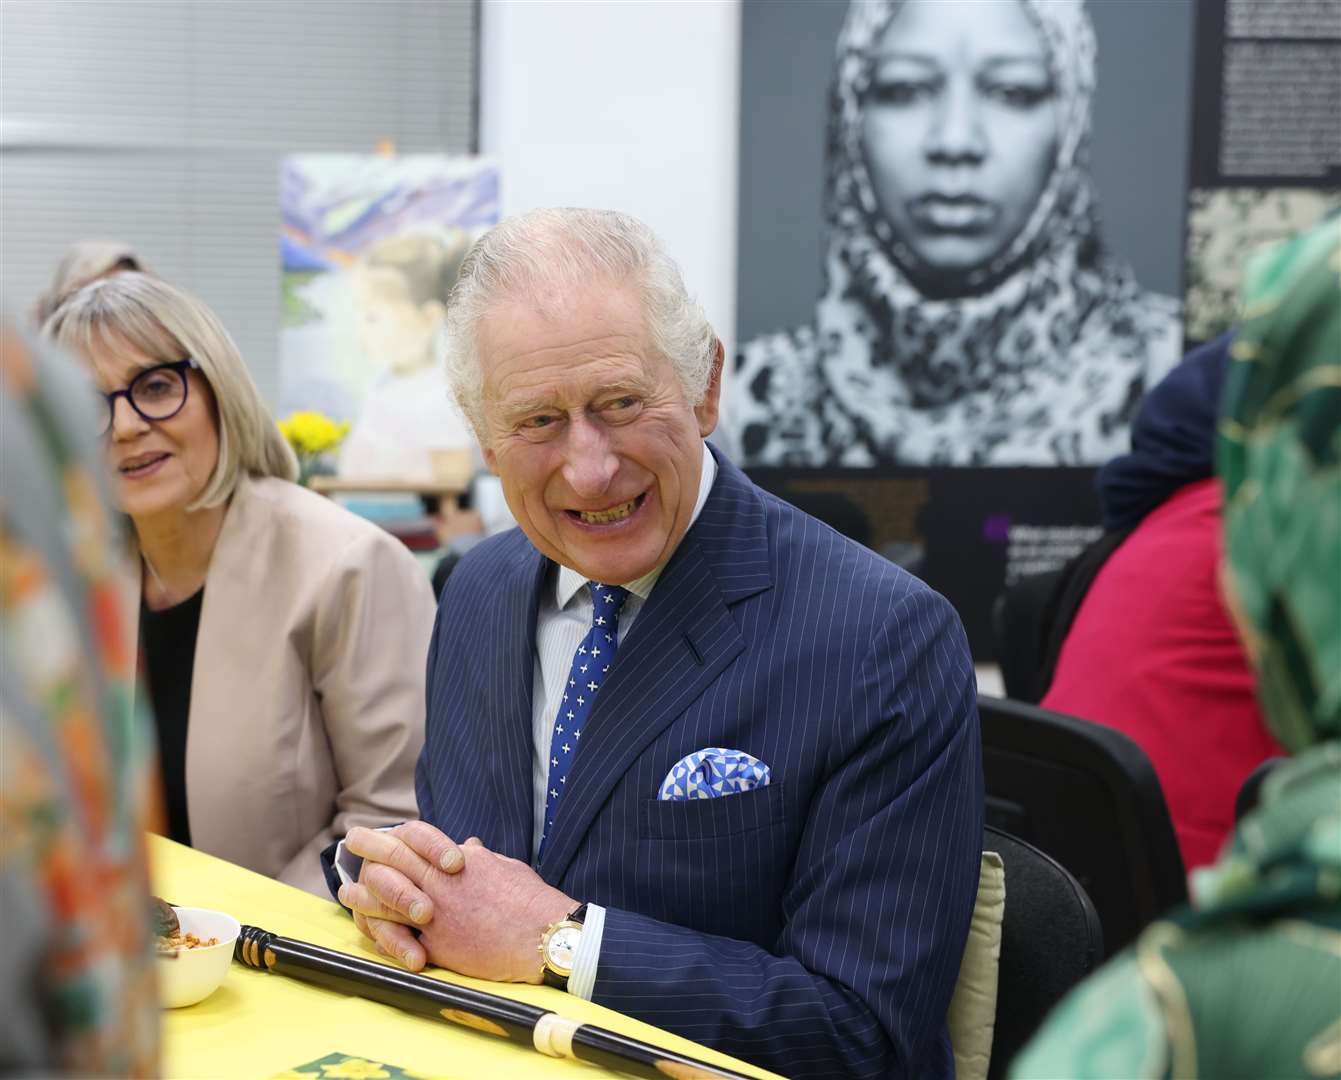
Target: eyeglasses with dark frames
[156, 393]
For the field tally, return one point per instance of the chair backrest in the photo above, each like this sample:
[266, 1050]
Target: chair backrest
[1021, 622]
[1089, 797]
[1032, 616]
[1050, 940]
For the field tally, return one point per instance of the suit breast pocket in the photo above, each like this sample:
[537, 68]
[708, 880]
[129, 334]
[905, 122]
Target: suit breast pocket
[689, 820]
[717, 865]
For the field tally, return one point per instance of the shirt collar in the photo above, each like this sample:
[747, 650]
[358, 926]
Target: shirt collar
[570, 581]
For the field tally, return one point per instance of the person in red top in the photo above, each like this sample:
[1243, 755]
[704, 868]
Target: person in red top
[1151, 651]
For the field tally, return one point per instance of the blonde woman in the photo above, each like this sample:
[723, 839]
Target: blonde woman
[283, 639]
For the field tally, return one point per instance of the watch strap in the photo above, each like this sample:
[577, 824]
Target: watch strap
[549, 975]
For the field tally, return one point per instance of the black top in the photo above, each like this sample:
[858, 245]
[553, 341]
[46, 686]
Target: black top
[168, 647]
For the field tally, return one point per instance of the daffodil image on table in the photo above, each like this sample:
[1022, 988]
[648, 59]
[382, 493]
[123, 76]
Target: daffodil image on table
[339, 1066]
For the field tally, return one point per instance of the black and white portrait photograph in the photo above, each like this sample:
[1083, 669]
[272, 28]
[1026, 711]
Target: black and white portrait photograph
[966, 298]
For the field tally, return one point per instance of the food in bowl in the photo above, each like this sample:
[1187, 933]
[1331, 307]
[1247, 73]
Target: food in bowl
[170, 943]
[193, 959]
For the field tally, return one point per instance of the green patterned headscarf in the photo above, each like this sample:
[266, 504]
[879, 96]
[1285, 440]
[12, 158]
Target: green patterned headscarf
[1280, 459]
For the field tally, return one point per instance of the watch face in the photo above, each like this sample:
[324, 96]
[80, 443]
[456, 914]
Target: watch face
[562, 947]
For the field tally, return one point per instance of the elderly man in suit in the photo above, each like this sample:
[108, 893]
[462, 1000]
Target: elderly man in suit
[690, 753]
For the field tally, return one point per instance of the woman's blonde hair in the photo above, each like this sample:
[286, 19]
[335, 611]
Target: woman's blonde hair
[166, 324]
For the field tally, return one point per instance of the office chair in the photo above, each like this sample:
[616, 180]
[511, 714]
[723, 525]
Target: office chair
[1051, 938]
[1088, 796]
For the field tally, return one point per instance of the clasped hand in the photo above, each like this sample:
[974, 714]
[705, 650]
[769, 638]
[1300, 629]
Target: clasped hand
[475, 911]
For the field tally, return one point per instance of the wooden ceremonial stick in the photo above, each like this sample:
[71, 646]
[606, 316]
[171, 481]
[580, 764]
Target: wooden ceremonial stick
[493, 1014]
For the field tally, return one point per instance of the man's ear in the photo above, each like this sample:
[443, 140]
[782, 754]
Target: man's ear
[707, 410]
[490, 458]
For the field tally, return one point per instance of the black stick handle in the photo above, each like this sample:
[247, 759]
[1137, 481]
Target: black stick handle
[493, 1014]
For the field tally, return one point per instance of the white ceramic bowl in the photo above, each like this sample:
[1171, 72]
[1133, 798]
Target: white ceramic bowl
[191, 975]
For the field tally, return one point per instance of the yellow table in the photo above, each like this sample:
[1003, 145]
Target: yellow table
[260, 1025]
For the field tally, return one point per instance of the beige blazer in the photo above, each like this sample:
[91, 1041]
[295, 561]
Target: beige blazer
[307, 694]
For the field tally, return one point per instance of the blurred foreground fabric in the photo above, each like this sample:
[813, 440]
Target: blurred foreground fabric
[77, 992]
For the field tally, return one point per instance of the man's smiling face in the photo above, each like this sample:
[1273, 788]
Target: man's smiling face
[590, 431]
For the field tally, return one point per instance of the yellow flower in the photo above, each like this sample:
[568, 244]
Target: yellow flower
[312, 432]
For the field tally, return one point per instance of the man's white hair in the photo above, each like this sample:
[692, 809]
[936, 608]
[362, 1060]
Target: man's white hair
[542, 256]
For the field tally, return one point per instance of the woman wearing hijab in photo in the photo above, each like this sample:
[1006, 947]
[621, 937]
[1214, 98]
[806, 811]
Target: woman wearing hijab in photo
[1247, 982]
[971, 314]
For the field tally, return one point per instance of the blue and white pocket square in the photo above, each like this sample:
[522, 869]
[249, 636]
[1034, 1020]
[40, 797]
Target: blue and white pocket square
[712, 772]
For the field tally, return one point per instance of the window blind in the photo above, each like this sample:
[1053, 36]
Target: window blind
[162, 123]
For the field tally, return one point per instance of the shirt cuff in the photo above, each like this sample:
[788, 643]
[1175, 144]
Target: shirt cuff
[347, 864]
[582, 981]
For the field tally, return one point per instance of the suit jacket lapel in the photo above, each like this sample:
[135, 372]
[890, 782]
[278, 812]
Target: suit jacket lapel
[682, 640]
[506, 715]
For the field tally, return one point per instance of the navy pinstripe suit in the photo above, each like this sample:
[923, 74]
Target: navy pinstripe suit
[814, 926]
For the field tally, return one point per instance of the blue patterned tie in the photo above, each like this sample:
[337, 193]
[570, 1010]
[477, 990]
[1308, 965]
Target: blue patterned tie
[590, 664]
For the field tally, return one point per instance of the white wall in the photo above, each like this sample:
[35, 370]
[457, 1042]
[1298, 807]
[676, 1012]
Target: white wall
[625, 104]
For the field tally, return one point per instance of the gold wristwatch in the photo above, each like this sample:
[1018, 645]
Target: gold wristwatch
[558, 947]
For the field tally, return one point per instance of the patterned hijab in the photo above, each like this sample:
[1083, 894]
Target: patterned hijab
[1040, 359]
[1280, 457]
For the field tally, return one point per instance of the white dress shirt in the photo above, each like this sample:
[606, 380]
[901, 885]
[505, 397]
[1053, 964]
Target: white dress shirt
[561, 623]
